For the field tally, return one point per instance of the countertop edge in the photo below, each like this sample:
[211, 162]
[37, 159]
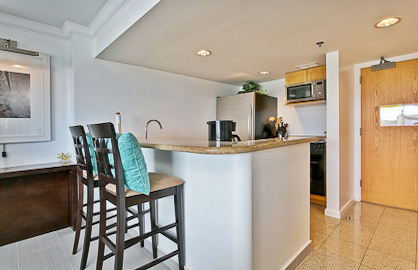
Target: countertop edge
[227, 150]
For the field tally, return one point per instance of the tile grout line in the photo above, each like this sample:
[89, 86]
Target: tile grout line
[368, 245]
[17, 257]
[66, 257]
[328, 236]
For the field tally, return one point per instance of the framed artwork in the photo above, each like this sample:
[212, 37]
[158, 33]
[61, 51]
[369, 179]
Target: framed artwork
[25, 114]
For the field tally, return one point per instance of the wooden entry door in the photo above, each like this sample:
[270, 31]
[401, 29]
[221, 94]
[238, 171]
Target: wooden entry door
[389, 155]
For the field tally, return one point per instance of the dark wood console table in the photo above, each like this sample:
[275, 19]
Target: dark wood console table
[36, 199]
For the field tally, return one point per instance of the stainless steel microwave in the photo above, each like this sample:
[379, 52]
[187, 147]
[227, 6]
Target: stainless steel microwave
[306, 91]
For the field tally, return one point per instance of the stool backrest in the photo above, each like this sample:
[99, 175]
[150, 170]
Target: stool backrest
[108, 159]
[82, 151]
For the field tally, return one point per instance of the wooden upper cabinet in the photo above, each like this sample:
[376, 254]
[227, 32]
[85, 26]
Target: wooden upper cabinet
[295, 77]
[316, 73]
[306, 75]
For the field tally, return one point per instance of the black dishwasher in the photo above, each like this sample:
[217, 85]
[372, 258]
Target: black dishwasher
[318, 163]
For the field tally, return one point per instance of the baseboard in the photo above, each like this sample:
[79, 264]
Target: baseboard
[342, 212]
[346, 206]
[298, 259]
[332, 213]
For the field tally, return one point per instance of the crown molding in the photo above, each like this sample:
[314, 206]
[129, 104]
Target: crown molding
[69, 29]
[109, 10]
[113, 19]
[26, 25]
[121, 19]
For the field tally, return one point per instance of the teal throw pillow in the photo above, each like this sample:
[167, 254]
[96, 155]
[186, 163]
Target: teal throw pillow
[92, 154]
[133, 163]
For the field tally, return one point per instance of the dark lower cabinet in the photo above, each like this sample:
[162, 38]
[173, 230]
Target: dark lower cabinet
[35, 200]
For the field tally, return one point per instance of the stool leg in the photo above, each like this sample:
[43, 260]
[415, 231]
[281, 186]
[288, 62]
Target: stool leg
[102, 231]
[79, 216]
[89, 224]
[178, 206]
[152, 206]
[140, 222]
[120, 237]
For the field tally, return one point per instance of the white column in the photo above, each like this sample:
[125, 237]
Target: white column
[333, 135]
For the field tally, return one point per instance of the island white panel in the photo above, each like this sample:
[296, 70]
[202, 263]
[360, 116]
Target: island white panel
[280, 205]
[217, 207]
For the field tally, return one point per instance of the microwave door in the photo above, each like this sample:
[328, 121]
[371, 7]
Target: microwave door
[299, 92]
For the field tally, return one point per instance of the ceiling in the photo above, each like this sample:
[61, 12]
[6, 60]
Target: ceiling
[245, 36]
[54, 12]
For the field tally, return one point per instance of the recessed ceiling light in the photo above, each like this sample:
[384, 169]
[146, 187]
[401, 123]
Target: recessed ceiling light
[264, 72]
[203, 52]
[387, 22]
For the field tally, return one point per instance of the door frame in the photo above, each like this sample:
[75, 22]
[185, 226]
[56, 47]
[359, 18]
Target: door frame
[357, 116]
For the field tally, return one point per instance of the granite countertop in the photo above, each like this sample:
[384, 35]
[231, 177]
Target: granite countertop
[217, 148]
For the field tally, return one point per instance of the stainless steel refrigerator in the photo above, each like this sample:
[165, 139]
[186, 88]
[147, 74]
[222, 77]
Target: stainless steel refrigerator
[254, 113]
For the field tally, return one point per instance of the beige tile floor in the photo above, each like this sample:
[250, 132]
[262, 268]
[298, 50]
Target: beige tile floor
[374, 237]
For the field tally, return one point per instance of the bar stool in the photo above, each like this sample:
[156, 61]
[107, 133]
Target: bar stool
[86, 178]
[112, 189]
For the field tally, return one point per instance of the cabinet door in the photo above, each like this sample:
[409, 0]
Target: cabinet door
[316, 73]
[295, 77]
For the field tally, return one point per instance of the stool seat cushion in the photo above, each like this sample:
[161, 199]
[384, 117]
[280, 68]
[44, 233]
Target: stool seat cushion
[158, 181]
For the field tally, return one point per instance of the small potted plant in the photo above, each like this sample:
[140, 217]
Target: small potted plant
[250, 86]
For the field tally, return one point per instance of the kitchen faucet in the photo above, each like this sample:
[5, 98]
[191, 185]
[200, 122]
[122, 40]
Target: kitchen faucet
[281, 128]
[146, 127]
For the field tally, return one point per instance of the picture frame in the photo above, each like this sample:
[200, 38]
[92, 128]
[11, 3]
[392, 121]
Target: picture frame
[25, 109]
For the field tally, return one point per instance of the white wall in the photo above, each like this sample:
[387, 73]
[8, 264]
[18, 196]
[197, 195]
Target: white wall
[346, 135]
[86, 90]
[306, 119]
[57, 48]
[182, 104]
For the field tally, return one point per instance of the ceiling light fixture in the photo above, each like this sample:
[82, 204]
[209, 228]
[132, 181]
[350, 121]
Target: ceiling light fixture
[309, 65]
[387, 22]
[19, 66]
[203, 52]
[264, 72]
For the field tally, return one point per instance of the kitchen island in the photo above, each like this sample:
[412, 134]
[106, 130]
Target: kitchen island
[246, 204]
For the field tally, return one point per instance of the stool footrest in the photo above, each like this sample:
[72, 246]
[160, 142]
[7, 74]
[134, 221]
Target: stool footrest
[170, 236]
[94, 238]
[114, 224]
[109, 243]
[132, 212]
[96, 201]
[135, 240]
[158, 260]
[107, 211]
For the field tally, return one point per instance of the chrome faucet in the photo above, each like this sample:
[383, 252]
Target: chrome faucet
[146, 127]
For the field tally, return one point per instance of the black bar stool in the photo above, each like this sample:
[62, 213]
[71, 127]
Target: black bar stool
[112, 189]
[85, 177]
